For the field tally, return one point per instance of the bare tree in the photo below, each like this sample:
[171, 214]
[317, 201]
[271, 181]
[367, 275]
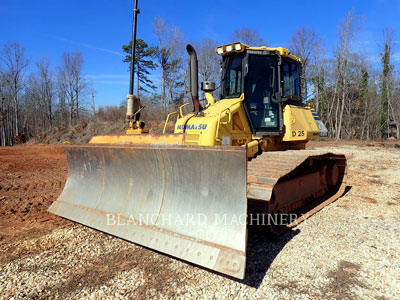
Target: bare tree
[348, 27]
[46, 88]
[75, 85]
[208, 60]
[305, 44]
[61, 92]
[93, 103]
[317, 73]
[162, 53]
[169, 54]
[14, 64]
[4, 111]
[38, 101]
[248, 36]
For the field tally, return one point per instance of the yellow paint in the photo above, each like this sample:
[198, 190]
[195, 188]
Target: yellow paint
[214, 125]
[284, 52]
[138, 139]
[210, 98]
[135, 129]
[226, 122]
[299, 124]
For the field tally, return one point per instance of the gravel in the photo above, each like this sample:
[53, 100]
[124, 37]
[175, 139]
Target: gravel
[349, 250]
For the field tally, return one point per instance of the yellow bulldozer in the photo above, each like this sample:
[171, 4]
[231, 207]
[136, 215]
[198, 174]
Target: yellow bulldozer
[230, 164]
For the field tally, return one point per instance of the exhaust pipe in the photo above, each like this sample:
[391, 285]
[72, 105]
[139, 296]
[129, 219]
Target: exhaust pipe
[193, 78]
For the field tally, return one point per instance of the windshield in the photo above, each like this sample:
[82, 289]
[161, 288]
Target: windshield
[232, 86]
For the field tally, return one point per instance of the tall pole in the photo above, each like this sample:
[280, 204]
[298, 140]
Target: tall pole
[131, 104]
[133, 50]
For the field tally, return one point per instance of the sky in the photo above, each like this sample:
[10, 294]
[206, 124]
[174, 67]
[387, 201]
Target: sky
[98, 29]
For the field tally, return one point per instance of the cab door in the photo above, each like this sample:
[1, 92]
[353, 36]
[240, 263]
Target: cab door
[262, 97]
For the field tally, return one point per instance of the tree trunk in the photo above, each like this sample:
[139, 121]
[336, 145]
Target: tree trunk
[77, 103]
[71, 112]
[339, 129]
[137, 82]
[50, 114]
[163, 89]
[3, 135]
[16, 114]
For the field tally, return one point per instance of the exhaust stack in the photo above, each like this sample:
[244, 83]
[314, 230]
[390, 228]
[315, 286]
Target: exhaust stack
[193, 78]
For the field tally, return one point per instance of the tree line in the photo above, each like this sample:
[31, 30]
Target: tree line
[46, 98]
[357, 97]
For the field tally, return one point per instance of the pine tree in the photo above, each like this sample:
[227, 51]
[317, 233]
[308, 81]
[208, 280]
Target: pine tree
[387, 69]
[143, 64]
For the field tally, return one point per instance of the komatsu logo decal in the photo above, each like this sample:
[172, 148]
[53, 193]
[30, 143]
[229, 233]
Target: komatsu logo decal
[192, 127]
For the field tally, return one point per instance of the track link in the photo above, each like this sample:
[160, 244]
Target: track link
[300, 182]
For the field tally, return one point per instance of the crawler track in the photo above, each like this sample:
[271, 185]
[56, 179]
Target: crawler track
[301, 182]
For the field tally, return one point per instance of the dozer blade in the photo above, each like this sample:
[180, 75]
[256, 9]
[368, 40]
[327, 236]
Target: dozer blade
[185, 201]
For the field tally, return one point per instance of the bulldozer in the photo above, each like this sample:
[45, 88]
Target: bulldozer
[229, 165]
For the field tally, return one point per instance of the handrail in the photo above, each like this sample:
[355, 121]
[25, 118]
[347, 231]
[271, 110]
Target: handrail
[180, 115]
[229, 117]
[223, 123]
[166, 121]
[180, 109]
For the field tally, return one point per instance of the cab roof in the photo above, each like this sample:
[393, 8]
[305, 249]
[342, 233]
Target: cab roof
[241, 47]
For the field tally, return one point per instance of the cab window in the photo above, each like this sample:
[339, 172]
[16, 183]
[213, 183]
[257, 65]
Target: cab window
[295, 80]
[233, 77]
[286, 79]
[291, 82]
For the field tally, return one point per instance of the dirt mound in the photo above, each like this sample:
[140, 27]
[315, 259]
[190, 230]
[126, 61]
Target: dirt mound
[83, 132]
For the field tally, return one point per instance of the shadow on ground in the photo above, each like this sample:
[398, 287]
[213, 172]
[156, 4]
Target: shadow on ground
[346, 190]
[262, 249]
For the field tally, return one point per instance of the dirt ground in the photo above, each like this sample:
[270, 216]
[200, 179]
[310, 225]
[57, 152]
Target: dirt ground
[33, 176]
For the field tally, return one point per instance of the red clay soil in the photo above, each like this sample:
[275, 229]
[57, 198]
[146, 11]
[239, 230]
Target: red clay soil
[31, 178]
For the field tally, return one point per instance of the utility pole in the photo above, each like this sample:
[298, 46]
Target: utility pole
[133, 104]
[136, 11]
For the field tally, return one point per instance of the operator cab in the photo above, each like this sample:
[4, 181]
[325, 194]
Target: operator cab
[267, 77]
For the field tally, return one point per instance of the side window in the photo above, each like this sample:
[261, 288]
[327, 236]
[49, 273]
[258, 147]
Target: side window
[235, 80]
[290, 77]
[234, 77]
[286, 79]
[295, 80]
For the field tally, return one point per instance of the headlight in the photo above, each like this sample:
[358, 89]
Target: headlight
[220, 50]
[238, 47]
[229, 48]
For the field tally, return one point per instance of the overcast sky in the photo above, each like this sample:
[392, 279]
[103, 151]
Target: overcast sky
[98, 28]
